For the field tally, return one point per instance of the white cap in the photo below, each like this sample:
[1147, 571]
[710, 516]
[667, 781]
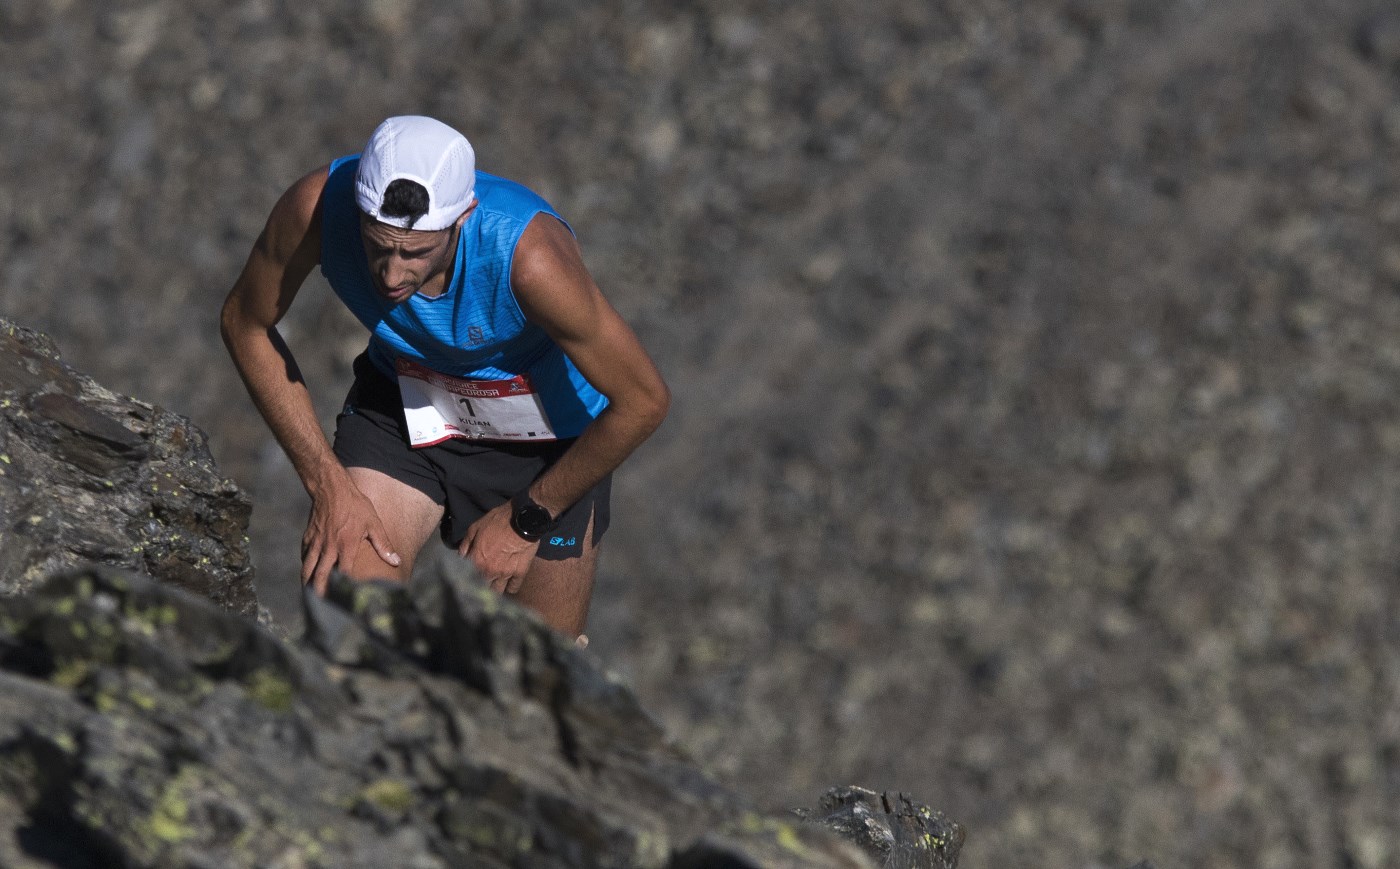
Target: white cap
[423, 150]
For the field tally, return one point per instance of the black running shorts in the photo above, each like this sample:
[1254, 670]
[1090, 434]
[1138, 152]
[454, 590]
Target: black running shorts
[467, 477]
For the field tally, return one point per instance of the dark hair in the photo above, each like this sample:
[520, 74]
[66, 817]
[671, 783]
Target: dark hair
[405, 198]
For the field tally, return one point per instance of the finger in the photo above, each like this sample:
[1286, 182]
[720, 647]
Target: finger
[322, 576]
[465, 547]
[308, 565]
[380, 541]
[478, 559]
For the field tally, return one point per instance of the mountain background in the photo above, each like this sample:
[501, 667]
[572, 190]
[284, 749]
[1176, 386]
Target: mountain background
[1034, 449]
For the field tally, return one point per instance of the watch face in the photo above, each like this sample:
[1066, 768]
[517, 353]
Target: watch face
[532, 519]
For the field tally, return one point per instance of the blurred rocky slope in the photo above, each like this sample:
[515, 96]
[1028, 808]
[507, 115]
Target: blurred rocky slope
[1034, 447]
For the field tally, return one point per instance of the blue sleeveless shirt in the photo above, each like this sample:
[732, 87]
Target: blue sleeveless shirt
[475, 329]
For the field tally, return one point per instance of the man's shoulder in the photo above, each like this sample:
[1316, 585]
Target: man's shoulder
[338, 177]
[337, 193]
[504, 196]
[300, 205]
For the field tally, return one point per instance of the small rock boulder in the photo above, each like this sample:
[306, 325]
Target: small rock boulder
[892, 829]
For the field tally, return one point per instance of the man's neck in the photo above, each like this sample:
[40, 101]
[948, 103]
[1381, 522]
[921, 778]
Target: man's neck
[448, 272]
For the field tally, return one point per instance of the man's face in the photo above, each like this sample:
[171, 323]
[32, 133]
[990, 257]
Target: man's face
[403, 261]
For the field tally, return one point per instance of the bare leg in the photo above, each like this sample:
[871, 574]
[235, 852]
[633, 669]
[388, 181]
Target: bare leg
[409, 516]
[561, 590]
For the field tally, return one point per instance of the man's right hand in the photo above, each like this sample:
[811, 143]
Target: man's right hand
[342, 518]
[339, 523]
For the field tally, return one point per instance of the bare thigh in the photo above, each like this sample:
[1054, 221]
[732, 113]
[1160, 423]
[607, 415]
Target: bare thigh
[409, 516]
[560, 591]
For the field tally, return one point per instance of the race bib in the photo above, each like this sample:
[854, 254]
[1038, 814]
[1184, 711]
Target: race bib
[437, 407]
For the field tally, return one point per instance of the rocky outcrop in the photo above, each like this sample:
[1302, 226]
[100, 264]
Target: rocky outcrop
[428, 726]
[90, 476]
[891, 828]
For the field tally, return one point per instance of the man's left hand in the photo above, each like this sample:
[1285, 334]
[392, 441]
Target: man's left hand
[502, 556]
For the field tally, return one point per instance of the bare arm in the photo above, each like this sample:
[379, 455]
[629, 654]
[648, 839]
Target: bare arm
[555, 291]
[281, 259]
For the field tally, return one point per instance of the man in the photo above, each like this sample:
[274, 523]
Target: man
[499, 389]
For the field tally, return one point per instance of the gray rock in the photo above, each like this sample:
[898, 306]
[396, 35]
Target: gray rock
[87, 475]
[429, 726]
[890, 828]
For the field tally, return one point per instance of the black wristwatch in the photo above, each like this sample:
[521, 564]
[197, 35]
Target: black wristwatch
[530, 520]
